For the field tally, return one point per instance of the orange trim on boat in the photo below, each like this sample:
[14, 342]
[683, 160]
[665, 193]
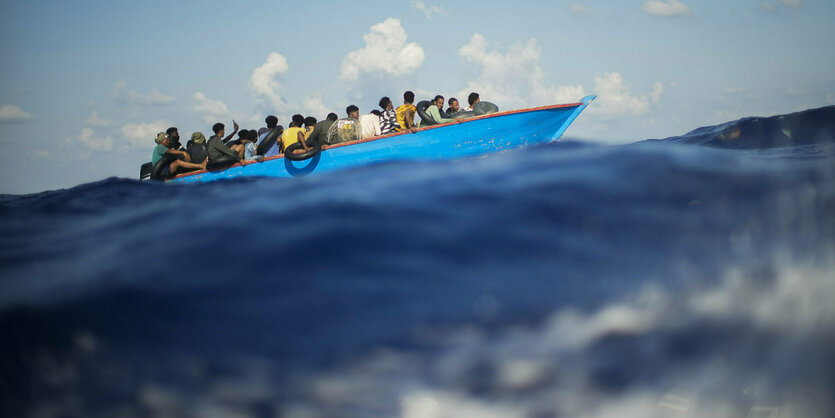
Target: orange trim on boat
[376, 138]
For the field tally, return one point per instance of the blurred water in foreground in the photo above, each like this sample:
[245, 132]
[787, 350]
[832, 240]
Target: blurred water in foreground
[686, 277]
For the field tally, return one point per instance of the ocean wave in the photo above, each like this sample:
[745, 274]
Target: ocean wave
[655, 278]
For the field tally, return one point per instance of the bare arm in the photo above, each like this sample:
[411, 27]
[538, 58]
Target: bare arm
[228, 137]
[300, 137]
[175, 152]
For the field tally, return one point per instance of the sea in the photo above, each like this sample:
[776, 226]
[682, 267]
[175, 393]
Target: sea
[691, 276]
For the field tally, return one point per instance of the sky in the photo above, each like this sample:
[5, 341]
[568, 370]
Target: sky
[86, 85]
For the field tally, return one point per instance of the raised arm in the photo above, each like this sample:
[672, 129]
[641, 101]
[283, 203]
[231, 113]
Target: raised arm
[228, 137]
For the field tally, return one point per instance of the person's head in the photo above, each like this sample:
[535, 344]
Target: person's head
[377, 113]
[198, 138]
[242, 134]
[262, 131]
[172, 132]
[309, 121]
[353, 112]
[218, 129]
[408, 97]
[297, 120]
[453, 104]
[439, 101]
[472, 98]
[272, 122]
[162, 139]
[252, 134]
[332, 116]
[385, 103]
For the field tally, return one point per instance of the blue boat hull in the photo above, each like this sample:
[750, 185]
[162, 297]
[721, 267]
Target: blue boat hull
[481, 135]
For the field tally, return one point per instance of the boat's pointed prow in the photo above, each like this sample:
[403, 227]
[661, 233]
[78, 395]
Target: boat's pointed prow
[585, 101]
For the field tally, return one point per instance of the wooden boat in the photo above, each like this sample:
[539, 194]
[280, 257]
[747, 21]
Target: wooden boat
[461, 138]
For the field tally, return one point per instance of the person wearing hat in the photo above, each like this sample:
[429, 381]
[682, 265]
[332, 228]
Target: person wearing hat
[162, 149]
[196, 147]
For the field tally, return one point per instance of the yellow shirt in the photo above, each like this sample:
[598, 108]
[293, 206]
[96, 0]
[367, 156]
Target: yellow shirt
[290, 136]
[401, 114]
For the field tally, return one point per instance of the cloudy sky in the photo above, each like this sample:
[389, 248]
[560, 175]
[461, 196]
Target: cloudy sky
[87, 84]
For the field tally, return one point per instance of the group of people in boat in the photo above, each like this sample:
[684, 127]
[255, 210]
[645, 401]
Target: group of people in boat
[304, 135]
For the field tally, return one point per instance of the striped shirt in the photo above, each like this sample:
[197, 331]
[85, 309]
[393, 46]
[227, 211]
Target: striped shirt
[388, 121]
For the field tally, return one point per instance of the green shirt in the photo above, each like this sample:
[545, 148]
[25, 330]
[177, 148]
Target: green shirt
[434, 113]
[159, 152]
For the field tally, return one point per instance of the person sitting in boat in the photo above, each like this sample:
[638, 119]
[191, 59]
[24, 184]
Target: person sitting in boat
[162, 149]
[237, 141]
[472, 99]
[406, 112]
[388, 120]
[294, 133]
[454, 107]
[309, 123]
[347, 129]
[369, 125]
[271, 122]
[273, 149]
[248, 141]
[320, 130]
[174, 138]
[196, 147]
[434, 110]
[262, 133]
[219, 153]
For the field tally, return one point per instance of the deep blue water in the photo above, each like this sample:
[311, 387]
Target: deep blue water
[689, 276]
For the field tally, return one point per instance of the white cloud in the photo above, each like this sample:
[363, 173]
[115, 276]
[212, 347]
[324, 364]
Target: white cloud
[579, 9]
[666, 8]
[88, 139]
[141, 135]
[513, 79]
[430, 10]
[96, 121]
[264, 83]
[315, 107]
[208, 108]
[615, 97]
[792, 3]
[386, 52]
[657, 91]
[11, 113]
[121, 94]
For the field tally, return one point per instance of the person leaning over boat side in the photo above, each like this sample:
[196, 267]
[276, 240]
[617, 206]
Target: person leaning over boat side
[196, 147]
[472, 99]
[294, 133]
[406, 113]
[320, 130]
[434, 110]
[217, 148]
[162, 149]
[454, 107]
[388, 120]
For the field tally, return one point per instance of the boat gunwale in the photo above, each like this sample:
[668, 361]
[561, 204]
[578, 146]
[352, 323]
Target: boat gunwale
[377, 138]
